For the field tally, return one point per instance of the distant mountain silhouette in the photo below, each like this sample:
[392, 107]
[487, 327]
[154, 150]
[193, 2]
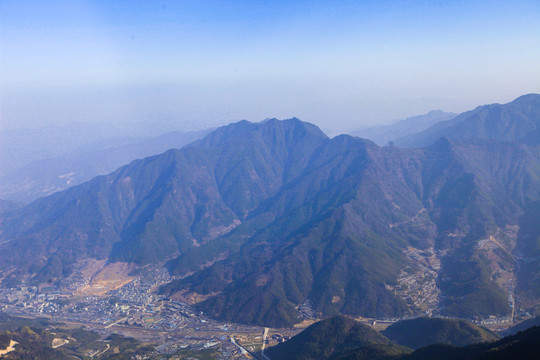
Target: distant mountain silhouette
[382, 135]
[518, 121]
[44, 177]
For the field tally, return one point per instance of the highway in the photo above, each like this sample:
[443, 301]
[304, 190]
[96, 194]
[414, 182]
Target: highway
[265, 333]
[246, 352]
[240, 347]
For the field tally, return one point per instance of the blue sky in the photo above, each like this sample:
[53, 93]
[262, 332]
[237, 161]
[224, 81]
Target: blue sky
[339, 64]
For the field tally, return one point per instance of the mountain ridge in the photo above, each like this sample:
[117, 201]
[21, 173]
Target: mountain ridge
[266, 216]
[385, 134]
[518, 120]
[44, 177]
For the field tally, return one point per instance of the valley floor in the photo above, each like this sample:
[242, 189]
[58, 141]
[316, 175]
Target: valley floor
[131, 307]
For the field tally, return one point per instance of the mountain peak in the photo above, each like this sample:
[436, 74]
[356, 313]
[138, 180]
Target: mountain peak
[325, 337]
[293, 129]
[291, 123]
[527, 98]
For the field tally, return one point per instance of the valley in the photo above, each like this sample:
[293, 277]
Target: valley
[269, 180]
[133, 308]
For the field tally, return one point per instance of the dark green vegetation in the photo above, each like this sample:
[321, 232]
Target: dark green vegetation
[371, 351]
[344, 339]
[39, 339]
[529, 249]
[35, 337]
[206, 354]
[269, 215]
[5, 340]
[35, 343]
[12, 323]
[336, 335]
[523, 346]
[421, 332]
[524, 325]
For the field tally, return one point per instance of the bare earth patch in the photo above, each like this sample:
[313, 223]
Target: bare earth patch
[92, 267]
[57, 342]
[192, 297]
[111, 277]
[10, 348]
[304, 324]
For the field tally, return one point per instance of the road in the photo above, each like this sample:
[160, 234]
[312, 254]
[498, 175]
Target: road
[246, 352]
[265, 333]
[103, 352]
[240, 347]
[116, 323]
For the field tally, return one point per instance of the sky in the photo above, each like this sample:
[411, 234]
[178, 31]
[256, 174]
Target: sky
[193, 64]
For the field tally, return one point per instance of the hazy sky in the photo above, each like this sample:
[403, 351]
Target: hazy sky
[339, 64]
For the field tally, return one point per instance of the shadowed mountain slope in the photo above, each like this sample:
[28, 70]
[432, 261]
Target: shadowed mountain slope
[523, 346]
[345, 339]
[524, 325]
[154, 208]
[337, 234]
[324, 338]
[420, 332]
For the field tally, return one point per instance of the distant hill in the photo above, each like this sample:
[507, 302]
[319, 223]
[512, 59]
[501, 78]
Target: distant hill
[332, 336]
[12, 323]
[345, 339]
[43, 339]
[6, 206]
[524, 325]
[518, 121]
[420, 332]
[20, 147]
[44, 177]
[382, 135]
[523, 346]
[37, 344]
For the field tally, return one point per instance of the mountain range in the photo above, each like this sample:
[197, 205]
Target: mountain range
[383, 135]
[518, 121]
[264, 219]
[44, 177]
